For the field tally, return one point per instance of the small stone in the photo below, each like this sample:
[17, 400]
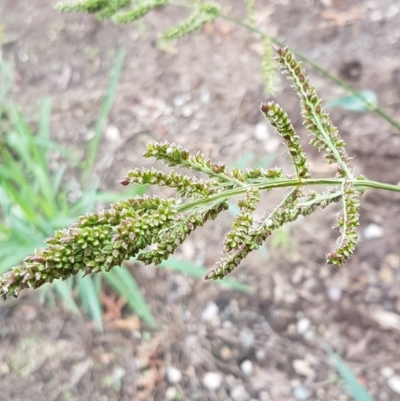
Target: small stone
[303, 368]
[247, 367]
[205, 96]
[179, 101]
[112, 134]
[301, 393]
[394, 384]
[298, 275]
[303, 325]
[386, 275]
[246, 338]
[4, 369]
[187, 111]
[392, 260]
[239, 393]
[387, 372]
[261, 354]
[261, 131]
[210, 312]
[373, 231]
[212, 380]
[171, 393]
[174, 375]
[225, 353]
[335, 293]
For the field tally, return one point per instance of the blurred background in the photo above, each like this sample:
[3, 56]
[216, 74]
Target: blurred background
[79, 101]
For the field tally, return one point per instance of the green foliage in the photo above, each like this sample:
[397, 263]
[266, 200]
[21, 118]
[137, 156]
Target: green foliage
[151, 228]
[357, 390]
[34, 198]
[360, 102]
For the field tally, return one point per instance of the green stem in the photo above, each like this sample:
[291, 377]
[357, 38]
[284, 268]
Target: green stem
[286, 182]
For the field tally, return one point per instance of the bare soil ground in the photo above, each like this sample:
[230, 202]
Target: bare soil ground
[204, 93]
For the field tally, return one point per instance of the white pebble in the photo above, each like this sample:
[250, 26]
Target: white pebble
[335, 293]
[261, 131]
[210, 312]
[394, 384]
[187, 111]
[301, 393]
[373, 231]
[112, 133]
[246, 338]
[303, 325]
[387, 372]
[179, 101]
[205, 96]
[261, 354]
[247, 367]
[171, 393]
[239, 393]
[212, 380]
[174, 375]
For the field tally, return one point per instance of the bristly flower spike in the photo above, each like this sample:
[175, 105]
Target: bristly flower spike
[347, 224]
[324, 136]
[151, 228]
[280, 120]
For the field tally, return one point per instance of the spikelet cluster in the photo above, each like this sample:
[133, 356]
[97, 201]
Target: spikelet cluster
[96, 242]
[138, 11]
[187, 187]
[324, 136]
[118, 10]
[280, 120]
[166, 243]
[175, 156]
[151, 228]
[347, 223]
[239, 243]
[206, 12]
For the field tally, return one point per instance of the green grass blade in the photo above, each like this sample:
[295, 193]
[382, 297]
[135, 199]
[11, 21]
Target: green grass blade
[194, 270]
[44, 121]
[354, 103]
[6, 80]
[13, 255]
[245, 161]
[47, 144]
[357, 390]
[64, 291]
[124, 284]
[91, 300]
[104, 112]
[57, 178]
[33, 157]
[21, 200]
